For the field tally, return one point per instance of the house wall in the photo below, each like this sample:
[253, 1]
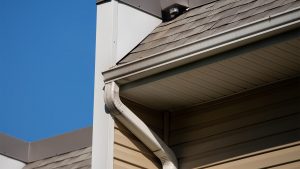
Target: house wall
[129, 151]
[246, 123]
[152, 118]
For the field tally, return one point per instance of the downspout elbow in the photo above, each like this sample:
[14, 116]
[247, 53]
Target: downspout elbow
[121, 112]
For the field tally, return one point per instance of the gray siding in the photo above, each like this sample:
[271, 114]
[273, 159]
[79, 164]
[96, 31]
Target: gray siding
[249, 122]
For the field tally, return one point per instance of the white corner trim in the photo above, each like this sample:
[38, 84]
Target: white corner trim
[205, 47]
[9, 163]
[103, 123]
[138, 127]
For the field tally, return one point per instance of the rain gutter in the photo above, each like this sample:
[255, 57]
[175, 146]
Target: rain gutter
[203, 48]
[121, 112]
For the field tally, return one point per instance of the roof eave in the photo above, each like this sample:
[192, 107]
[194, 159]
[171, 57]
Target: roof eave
[203, 48]
[33, 151]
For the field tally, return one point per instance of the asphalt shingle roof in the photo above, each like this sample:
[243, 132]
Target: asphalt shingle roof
[205, 21]
[80, 159]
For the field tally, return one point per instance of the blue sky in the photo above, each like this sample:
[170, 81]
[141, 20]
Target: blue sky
[46, 66]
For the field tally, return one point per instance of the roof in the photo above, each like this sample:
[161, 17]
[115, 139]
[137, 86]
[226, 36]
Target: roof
[205, 21]
[29, 152]
[80, 159]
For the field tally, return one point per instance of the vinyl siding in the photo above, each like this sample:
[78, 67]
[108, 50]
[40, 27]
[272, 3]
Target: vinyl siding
[153, 118]
[129, 151]
[250, 122]
[283, 157]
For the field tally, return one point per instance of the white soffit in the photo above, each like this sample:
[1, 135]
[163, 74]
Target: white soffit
[8, 163]
[237, 71]
[133, 26]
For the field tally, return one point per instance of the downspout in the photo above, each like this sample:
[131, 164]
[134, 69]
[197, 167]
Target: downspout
[121, 112]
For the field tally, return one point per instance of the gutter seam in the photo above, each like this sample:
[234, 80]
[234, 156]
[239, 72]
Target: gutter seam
[121, 112]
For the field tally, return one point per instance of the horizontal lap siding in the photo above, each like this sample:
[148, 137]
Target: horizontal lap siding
[257, 120]
[284, 157]
[129, 151]
[152, 118]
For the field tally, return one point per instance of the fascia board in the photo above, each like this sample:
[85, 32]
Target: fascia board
[203, 48]
[167, 3]
[14, 148]
[152, 7]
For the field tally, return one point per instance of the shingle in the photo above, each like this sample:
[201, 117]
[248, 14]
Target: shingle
[201, 22]
[172, 25]
[222, 3]
[224, 14]
[177, 43]
[200, 16]
[74, 160]
[200, 10]
[284, 8]
[243, 2]
[155, 43]
[207, 20]
[223, 21]
[154, 36]
[177, 29]
[221, 9]
[197, 30]
[245, 7]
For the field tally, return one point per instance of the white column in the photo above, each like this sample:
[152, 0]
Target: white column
[103, 124]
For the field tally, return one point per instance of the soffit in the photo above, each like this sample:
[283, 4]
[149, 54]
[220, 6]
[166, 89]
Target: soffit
[204, 21]
[220, 76]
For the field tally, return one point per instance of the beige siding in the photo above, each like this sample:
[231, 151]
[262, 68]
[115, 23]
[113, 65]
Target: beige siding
[250, 122]
[283, 157]
[152, 118]
[129, 152]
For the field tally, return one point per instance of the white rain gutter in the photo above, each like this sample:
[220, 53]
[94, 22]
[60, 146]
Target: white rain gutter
[204, 48]
[138, 127]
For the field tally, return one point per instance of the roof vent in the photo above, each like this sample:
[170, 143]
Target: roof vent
[172, 12]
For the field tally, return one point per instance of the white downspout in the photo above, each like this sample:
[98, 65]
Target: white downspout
[121, 112]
